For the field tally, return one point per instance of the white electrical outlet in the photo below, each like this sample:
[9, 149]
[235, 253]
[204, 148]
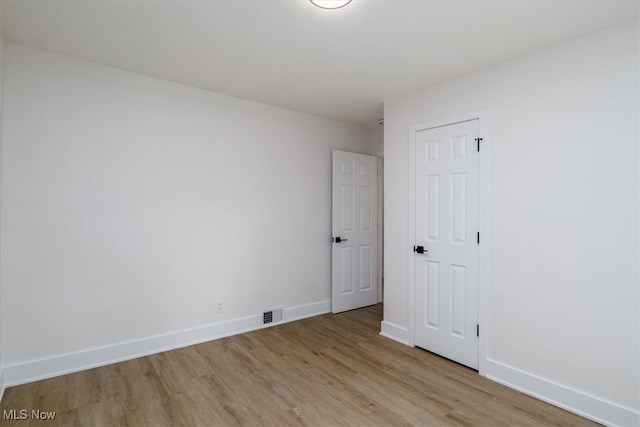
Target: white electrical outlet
[219, 307]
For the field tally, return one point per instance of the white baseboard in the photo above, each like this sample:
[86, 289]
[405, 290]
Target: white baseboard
[35, 370]
[307, 310]
[395, 332]
[583, 404]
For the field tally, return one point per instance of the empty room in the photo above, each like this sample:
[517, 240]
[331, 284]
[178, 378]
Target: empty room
[319, 213]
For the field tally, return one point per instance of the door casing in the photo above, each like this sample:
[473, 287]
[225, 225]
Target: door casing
[483, 229]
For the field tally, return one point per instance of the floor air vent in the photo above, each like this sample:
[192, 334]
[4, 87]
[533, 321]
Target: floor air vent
[272, 316]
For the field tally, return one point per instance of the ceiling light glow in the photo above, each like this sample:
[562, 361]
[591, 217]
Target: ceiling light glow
[330, 4]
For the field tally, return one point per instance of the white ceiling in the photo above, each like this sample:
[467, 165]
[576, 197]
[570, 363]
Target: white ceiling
[340, 64]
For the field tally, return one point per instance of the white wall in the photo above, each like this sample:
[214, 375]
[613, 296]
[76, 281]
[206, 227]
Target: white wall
[562, 215]
[377, 141]
[132, 205]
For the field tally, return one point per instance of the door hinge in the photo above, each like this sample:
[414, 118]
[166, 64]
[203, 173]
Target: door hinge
[477, 330]
[478, 140]
[478, 237]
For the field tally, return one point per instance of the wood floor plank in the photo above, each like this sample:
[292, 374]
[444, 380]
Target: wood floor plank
[322, 371]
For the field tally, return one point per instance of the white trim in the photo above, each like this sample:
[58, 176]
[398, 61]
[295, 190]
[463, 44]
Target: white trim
[308, 310]
[1, 383]
[34, 370]
[583, 404]
[481, 116]
[395, 332]
[380, 227]
[483, 256]
[411, 286]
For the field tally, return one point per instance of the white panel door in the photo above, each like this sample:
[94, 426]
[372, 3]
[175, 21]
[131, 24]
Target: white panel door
[354, 230]
[446, 225]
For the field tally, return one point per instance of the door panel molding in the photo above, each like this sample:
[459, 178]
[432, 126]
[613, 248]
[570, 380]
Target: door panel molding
[355, 231]
[434, 152]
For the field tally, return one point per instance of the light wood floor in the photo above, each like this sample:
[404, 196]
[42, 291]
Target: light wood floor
[327, 370]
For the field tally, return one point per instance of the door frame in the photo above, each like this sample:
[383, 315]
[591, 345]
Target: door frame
[481, 116]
